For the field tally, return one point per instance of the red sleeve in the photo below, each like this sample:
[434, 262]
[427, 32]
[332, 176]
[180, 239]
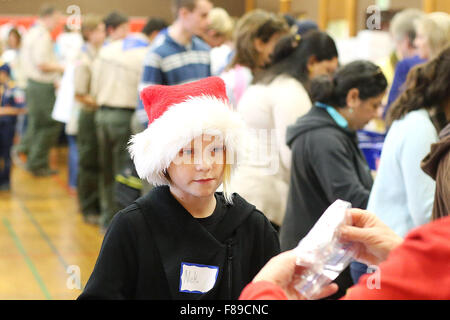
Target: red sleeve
[262, 290]
[416, 270]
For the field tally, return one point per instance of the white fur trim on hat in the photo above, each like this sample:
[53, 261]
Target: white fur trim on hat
[156, 147]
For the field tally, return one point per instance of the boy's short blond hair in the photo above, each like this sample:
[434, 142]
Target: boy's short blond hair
[221, 22]
[227, 182]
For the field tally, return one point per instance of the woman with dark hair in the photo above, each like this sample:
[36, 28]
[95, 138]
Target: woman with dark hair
[275, 101]
[402, 195]
[302, 58]
[326, 161]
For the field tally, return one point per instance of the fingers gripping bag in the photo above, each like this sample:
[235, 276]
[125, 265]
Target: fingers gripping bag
[321, 252]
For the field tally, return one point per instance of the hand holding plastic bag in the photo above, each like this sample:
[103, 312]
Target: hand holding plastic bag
[374, 239]
[283, 271]
[322, 253]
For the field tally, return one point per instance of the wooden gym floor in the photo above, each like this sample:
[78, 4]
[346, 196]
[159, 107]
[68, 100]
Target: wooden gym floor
[46, 249]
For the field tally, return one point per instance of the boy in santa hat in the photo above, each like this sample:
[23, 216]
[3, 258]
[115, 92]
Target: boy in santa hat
[184, 240]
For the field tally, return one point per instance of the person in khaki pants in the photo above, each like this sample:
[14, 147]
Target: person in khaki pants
[93, 31]
[115, 79]
[42, 70]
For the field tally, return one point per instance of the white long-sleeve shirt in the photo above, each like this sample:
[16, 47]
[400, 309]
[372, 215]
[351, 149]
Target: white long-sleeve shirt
[268, 110]
[402, 195]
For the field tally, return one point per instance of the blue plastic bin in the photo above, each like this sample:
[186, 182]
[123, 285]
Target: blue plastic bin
[371, 144]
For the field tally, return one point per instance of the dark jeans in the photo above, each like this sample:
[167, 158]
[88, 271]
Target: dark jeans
[7, 131]
[73, 161]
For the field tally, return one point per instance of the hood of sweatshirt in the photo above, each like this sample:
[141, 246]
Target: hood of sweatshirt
[438, 150]
[177, 233]
[316, 118]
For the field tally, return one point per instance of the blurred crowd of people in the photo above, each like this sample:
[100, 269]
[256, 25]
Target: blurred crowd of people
[282, 76]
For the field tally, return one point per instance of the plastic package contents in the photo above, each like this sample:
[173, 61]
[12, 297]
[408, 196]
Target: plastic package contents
[321, 252]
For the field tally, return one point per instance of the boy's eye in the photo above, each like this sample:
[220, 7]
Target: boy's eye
[187, 152]
[217, 149]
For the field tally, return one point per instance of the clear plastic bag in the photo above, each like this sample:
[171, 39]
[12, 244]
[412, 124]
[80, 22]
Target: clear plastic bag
[321, 252]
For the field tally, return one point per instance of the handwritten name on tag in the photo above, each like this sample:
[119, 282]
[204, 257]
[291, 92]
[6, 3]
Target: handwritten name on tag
[197, 278]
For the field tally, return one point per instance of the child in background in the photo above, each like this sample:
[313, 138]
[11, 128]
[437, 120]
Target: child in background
[184, 240]
[11, 104]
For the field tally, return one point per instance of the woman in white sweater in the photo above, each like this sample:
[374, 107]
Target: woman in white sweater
[276, 99]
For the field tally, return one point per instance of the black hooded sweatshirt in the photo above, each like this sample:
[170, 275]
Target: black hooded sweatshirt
[148, 242]
[327, 165]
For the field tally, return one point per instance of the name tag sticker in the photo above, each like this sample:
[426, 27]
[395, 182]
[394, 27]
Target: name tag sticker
[197, 278]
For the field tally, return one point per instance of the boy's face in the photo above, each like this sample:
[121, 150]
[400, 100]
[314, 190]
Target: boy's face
[196, 21]
[120, 32]
[52, 21]
[214, 39]
[198, 169]
[98, 35]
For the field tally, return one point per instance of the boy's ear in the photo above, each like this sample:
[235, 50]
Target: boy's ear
[183, 12]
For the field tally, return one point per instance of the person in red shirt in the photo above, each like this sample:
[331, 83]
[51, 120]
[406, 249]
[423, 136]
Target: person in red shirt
[415, 268]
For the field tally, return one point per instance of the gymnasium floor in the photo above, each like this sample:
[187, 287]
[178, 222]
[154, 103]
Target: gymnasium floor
[46, 250]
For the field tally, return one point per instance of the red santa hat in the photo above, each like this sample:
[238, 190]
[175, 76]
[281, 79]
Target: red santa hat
[178, 114]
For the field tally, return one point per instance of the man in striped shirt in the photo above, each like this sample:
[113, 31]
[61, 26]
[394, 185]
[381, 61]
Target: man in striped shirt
[177, 55]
